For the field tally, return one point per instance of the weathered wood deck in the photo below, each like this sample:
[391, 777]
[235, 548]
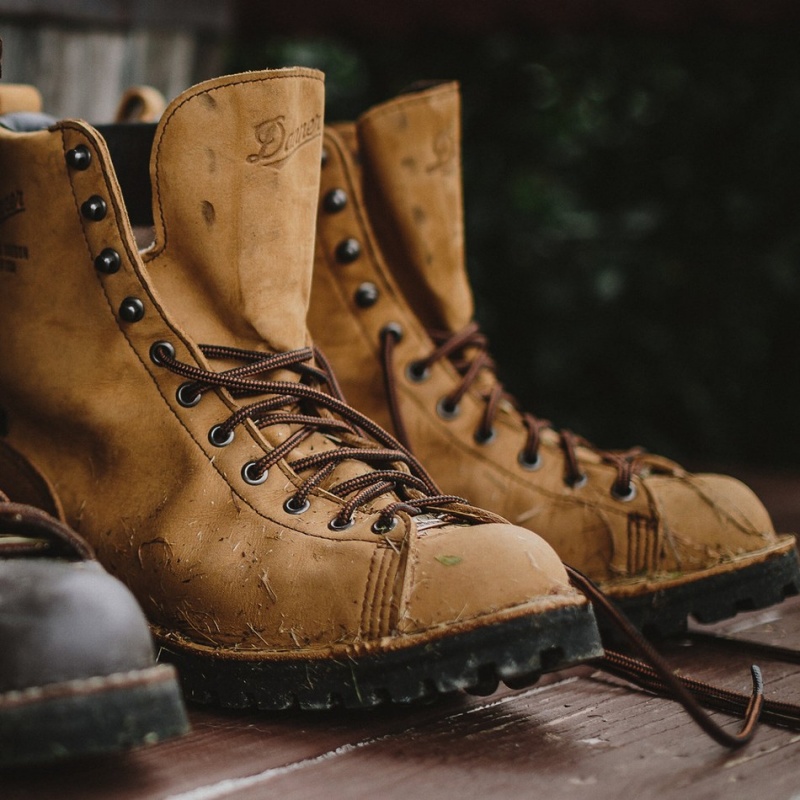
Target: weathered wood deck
[575, 734]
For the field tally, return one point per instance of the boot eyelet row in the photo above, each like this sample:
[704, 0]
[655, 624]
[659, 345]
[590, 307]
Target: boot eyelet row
[187, 397]
[252, 476]
[292, 506]
[531, 464]
[417, 372]
[382, 527]
[624, 496]
[485, 437]
[577, 482]
[337, 525]
[447, 409]
[95, 208]
[219, 437]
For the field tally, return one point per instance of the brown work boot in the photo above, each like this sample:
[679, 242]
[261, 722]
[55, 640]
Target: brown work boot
[392, 308]
[286, 550]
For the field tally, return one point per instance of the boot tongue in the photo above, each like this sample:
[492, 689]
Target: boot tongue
[411, 150]
[235, 173]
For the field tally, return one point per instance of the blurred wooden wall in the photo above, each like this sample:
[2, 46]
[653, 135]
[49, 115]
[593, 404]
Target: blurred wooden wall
[82, 54]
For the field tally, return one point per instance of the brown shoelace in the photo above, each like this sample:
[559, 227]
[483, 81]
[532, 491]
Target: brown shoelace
[27, 531]
[467, 350]
[310, 410]
[654, 674]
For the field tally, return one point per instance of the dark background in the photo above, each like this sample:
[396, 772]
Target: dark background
[631, 172]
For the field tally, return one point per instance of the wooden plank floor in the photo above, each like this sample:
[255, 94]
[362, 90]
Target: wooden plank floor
[575, 734]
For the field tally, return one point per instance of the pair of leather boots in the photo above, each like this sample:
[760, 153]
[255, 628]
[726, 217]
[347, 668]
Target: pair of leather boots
[156, 364]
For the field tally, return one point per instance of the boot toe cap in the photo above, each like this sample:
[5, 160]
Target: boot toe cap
[472, 574]
[63, 621]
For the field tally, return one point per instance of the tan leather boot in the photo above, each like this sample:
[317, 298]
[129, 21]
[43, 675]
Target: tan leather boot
[392, 308]
[285, 549]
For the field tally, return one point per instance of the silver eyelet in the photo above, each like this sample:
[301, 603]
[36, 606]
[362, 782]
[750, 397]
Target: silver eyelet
[624, 497]
[186, 399]
[480, 438]
[382, 528]
[219, 437]
[447, 410]
[579, 482]
[249, 474]
[417, 372]
[291, 506]
[531, 466]
[392, 329]
[166, 347]
[335, 525]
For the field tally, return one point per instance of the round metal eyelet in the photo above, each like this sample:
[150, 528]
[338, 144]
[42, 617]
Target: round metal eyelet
[485, 437]
[108, 261]
[417, 372]
[324, 156]
[531, 464]
[627, 495]
[447, 409]
[131, 309]
[382, 527]
[577, 482]
[366, 295]
[166, 347]
[251, 475]
[291, 506]
[347, 251]
[187, 396]
[79, 157]
[392, 329]
[219, 437]
[336, 525]
[94, 208]
[334, 201]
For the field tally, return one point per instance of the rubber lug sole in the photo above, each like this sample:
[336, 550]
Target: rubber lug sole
[665, 612]
[90, 716]
[517, 652]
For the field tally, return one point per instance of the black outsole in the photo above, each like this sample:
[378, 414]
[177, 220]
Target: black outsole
[91, 716]
[665, 612]
[516, 652]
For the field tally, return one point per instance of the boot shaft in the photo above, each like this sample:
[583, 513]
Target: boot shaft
[411, 151]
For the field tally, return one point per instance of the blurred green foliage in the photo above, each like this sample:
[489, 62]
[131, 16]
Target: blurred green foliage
[633, 219]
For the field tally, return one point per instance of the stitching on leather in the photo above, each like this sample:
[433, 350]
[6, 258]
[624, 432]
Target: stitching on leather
[366, 625]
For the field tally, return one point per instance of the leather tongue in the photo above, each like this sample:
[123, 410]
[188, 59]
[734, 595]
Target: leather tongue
[411, 150]
[235, 172]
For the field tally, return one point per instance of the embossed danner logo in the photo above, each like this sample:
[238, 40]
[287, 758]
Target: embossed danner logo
[278, 140]
[444, 151]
